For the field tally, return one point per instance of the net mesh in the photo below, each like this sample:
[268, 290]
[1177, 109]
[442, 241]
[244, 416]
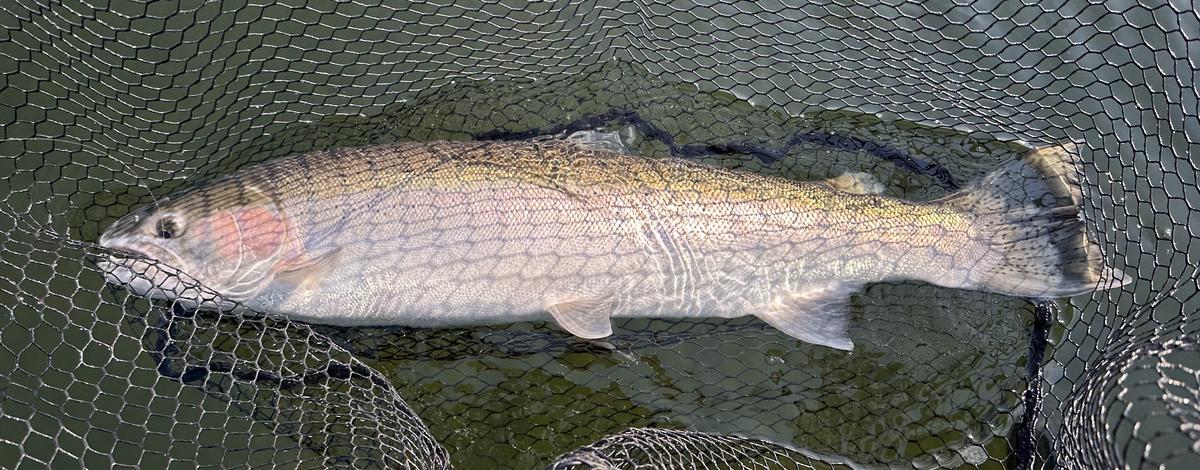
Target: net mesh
[106, 106]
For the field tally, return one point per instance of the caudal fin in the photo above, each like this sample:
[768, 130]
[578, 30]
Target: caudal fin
[1029, 211]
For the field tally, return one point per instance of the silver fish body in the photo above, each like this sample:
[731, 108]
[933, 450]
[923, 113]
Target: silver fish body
[463, 233]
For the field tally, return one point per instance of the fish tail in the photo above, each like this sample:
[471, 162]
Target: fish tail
[1028, 215]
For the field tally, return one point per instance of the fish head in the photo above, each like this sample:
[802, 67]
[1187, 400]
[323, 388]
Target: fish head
[209, 247]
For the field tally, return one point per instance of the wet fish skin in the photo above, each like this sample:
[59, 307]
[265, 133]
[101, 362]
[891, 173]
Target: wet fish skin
[444, 234]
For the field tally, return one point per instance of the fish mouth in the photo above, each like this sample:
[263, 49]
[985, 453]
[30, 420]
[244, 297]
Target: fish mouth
[144, 270]
[147, 271]
[125, 254]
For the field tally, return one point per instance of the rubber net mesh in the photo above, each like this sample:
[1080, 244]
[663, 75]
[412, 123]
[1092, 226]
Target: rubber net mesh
[107, 105]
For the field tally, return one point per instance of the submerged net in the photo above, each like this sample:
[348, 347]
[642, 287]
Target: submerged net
[107, 106]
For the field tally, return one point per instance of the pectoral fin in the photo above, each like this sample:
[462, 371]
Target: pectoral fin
[585, 318]
[307, 272]
[818, 315]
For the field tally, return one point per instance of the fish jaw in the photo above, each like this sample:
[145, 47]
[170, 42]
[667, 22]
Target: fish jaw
[139, 268]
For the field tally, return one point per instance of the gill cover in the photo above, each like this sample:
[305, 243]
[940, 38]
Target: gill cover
[237, 242]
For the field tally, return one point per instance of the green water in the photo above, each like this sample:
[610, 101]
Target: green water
[186, 92]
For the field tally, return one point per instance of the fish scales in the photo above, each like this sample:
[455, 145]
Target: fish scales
[353, 192]
[442, 234]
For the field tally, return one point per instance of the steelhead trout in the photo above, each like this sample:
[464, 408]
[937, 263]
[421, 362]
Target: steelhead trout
[444, 234]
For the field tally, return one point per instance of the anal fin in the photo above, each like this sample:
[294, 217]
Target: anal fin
[818, 315]
[585, 318]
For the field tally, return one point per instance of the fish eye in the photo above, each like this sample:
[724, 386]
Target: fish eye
[168, 227]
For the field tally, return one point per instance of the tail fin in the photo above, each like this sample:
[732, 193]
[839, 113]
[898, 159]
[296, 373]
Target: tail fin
[1029, 211]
